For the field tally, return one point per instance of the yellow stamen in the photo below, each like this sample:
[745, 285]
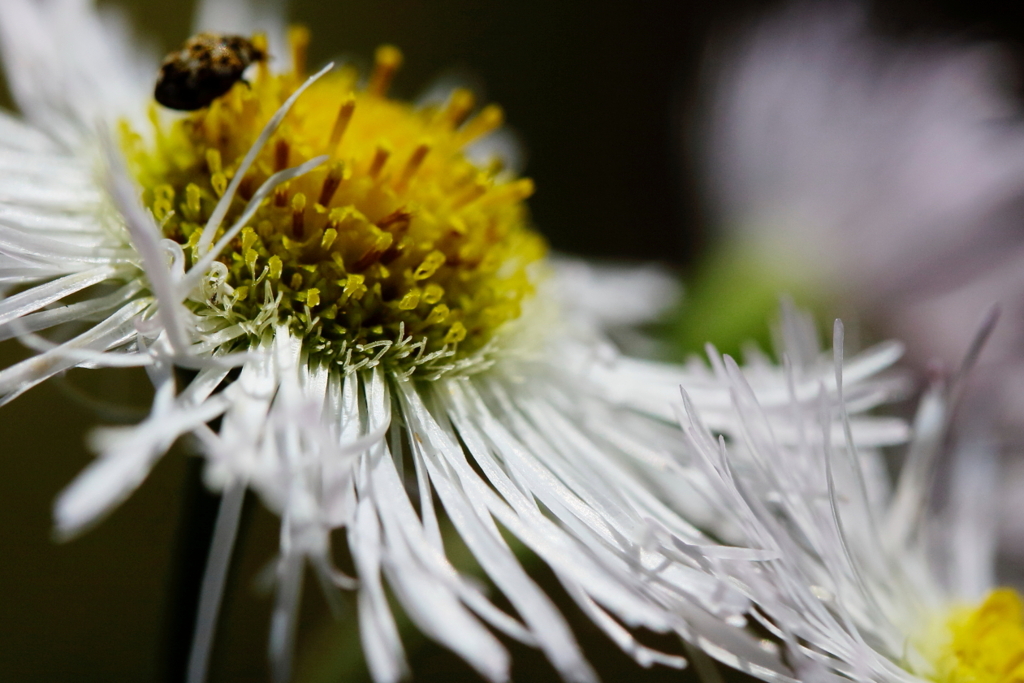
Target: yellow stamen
[434, 260]
[192, 203]
[259, 41]
[213, 160]
[410, 301]
[474, 192]
[354, 287]
[487, 121]
[438, 314]
[460, 104]
[219, 182]
[388, 60]
[163, 201]
[515, 191]
[456, 333]
[298, 41]
[274, 267]
[312, 297]
[328, 239]
[986, 643]
[432, 293]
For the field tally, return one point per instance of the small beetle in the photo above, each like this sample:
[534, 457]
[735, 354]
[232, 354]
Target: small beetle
[205, 68]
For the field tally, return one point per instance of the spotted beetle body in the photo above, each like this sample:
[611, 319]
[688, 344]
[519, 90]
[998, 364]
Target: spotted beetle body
[205, 68]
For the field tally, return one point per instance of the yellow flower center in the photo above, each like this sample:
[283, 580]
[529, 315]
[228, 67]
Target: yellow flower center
[986, 643]
[398, 242]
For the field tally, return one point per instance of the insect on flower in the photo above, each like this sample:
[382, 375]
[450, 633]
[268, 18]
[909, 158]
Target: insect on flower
[205, 68]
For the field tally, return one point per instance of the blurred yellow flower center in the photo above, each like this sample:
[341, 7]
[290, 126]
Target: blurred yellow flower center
[399, 241]
[987, 642]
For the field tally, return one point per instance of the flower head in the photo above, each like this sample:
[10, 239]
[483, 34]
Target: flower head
[397, 249]
[859, 578]
[347, 308]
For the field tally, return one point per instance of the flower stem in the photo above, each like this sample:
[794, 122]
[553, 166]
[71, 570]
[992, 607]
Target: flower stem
[206, 535]
[211, 592]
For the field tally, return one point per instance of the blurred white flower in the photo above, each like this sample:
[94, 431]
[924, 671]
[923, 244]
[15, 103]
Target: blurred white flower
[371, 331]
[860, 578]
[887, 173]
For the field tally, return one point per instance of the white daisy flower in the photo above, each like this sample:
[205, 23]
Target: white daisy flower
[863, 579]
[366, 318]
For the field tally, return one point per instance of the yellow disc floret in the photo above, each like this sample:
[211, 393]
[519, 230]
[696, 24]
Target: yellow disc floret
[986, 643]
[397, 237]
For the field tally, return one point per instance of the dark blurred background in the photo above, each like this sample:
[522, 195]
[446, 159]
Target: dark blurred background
[600, 94]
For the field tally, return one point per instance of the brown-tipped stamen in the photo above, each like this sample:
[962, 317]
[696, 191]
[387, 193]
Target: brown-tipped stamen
[298, 215]
[281, 152]
[281, 194]
[395, 222]
[413, 165]
[380, 157]
[331, 183]
[348, 107]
